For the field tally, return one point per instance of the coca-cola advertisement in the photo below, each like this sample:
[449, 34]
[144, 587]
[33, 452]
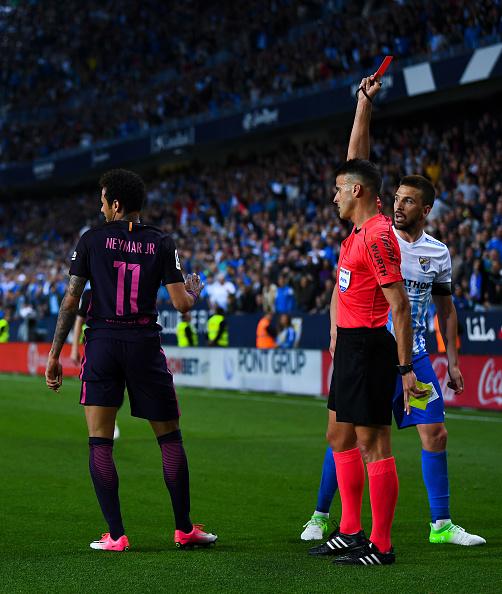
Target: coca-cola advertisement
[482, 378]
[482, 381]
[31, 357]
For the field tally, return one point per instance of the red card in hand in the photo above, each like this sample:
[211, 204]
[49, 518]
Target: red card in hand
[383, 67]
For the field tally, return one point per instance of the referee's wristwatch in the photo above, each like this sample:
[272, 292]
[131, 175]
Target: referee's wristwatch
[404, 369]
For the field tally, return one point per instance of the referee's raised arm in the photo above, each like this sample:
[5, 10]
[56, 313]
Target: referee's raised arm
[359, 143]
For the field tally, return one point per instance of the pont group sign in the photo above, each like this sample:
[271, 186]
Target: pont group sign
[294, 371]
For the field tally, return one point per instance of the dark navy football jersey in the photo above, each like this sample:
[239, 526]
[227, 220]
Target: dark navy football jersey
[126, 264]
[85, 302]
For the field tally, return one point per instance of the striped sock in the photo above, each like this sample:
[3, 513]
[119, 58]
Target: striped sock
[176, 477]
[106, 483]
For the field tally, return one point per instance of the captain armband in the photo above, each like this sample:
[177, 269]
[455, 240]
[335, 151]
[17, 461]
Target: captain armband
[442, 289]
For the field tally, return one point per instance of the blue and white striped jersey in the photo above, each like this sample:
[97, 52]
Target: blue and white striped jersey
[424, 263]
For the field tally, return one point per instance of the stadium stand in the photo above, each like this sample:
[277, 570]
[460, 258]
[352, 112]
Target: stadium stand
[268, 225]
[84, 56]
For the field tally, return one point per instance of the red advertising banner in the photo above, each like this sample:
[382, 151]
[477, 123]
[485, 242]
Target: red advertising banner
[31, 357]
[482, 374]
[482, 379]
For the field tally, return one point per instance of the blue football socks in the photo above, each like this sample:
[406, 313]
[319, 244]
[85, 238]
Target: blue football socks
[435, 473]
[329, 483]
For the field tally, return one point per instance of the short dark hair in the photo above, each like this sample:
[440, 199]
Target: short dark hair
[423, 184]
[125, 186]
[365, 170]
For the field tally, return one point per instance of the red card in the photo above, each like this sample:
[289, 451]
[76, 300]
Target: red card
[383, 67]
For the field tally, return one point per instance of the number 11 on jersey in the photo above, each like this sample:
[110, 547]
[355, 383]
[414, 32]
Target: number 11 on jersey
[135, 270]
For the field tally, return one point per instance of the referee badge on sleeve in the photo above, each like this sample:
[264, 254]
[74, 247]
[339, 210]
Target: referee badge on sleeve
[344, 279]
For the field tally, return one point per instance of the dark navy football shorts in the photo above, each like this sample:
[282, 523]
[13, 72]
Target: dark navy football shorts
[110, 365]
[364, 376]
[434, 411]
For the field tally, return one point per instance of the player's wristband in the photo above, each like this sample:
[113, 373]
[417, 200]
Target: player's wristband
[404, 369]
[194, 295]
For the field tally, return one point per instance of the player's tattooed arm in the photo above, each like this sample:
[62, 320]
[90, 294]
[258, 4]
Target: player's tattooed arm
[67, 313]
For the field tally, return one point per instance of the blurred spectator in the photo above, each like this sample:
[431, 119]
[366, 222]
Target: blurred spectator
[217, 329]
[266, 333]
[269, 293]
[287, 336]
[494, 284]
[246, 302]
[4, 326]
[305, 294]
[285, 298]
[459, 299]
[323, 301]
[496, 242]
[219, 290]
[53, 301]
[186, 335]
[456, 263]
[476, 282]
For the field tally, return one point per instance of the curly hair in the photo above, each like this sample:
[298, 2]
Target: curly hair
[124, 186]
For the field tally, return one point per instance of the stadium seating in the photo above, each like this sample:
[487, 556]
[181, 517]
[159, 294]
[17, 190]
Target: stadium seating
[86, 55]
[270, 221]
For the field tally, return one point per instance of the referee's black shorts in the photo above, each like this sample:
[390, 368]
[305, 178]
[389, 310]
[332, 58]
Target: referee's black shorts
[364, 376]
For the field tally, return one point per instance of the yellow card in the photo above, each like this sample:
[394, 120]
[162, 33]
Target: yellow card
[421, 401]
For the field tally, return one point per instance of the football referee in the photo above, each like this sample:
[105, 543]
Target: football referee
[366, 362]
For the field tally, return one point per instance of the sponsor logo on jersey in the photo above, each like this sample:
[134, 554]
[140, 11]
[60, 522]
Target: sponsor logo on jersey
[178, 265]
[413, 284]
[379, 261]
[425, 263]
[74, 257]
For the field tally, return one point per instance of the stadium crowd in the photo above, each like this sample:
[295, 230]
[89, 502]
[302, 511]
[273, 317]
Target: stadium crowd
[57, 65]
[265, 235]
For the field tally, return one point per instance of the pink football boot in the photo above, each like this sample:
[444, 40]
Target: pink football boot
[196, 538]
[106, 543]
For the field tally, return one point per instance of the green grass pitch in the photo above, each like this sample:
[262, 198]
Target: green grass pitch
[255, 463]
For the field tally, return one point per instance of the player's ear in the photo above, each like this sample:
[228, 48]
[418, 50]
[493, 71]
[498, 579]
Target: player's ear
[357, 190]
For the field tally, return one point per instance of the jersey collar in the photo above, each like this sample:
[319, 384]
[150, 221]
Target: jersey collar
[410, 243]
